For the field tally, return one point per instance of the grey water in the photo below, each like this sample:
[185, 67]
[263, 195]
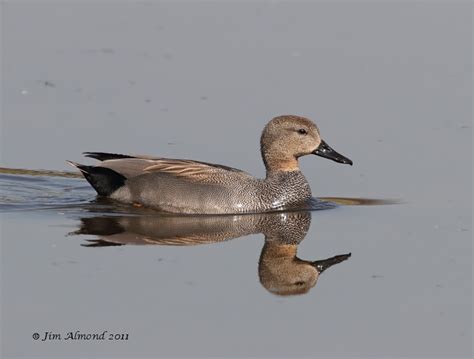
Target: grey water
[388, 83]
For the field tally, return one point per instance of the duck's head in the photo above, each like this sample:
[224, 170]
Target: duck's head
[286, 138]
[282, 273]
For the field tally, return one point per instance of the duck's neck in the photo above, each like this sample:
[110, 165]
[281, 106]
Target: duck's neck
[276, 250]
[279, 162]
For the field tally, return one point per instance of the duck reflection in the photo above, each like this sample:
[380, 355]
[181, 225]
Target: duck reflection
[280, 271]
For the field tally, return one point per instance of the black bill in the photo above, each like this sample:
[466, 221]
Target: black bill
[324, 150]
[324, 264]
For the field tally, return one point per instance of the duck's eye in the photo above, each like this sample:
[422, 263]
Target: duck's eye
[302, 131]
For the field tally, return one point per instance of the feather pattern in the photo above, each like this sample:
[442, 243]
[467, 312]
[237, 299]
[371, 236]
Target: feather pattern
[194, 171]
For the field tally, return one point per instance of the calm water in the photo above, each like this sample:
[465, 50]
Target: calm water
[200, 81]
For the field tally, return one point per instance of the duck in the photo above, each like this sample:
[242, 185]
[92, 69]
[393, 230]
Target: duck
[193, 187]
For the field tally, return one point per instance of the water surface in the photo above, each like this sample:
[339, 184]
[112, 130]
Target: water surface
[389, 85]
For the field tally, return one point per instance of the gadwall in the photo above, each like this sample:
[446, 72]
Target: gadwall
[193, 187]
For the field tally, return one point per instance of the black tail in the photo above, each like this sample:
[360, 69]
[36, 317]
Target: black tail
[104, 180]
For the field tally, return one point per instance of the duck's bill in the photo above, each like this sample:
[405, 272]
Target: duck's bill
[324, 150]
[324, 264]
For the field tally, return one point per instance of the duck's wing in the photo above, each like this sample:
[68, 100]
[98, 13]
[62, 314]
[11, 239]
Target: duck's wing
[194, 171]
